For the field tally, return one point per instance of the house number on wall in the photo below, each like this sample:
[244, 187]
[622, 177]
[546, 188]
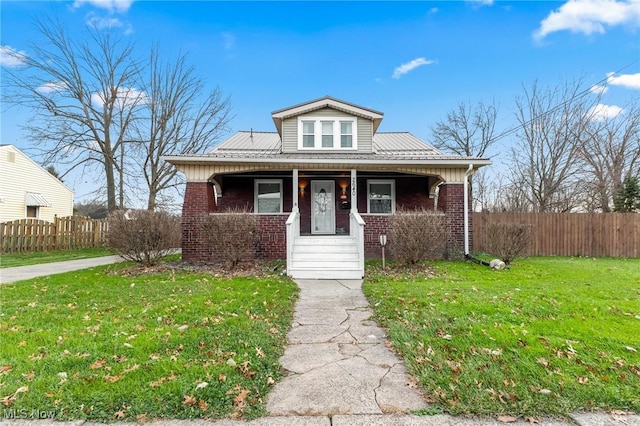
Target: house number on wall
[353, 187]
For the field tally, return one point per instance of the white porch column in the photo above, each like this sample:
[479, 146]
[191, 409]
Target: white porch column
[295, 191]
[354, 191]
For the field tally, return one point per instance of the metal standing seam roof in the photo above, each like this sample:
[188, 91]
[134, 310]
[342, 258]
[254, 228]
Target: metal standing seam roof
[267, 144]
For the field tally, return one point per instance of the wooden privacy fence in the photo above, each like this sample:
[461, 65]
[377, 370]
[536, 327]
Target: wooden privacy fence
[569, 234]
[71, 232]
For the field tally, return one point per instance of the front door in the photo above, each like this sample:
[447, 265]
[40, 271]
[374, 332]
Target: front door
[323, 207]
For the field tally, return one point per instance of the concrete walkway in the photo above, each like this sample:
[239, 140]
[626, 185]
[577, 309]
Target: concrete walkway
[9, 275]
[337, 358]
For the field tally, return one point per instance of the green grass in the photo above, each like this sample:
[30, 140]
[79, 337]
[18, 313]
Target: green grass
[104, 344]
[10, 260]
[546, 337]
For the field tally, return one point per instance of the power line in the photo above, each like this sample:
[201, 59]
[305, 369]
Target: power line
[603, 82]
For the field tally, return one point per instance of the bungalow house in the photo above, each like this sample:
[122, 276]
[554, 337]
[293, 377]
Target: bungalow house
[28, 191]
[323, 185]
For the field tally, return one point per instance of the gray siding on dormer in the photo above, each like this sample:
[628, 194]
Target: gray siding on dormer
[290, 130]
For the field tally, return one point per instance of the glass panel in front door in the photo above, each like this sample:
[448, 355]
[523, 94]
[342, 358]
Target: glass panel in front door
[323, 216]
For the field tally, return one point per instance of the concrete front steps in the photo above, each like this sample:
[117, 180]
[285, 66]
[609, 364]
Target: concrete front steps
[325, 257]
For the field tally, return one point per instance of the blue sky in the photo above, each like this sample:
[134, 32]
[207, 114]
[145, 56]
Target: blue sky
[414, 61]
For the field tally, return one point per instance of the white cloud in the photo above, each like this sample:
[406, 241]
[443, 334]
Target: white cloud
[228, 40]
[127, 97]
[118, 6]
[10, 57]
[100, 23]
[590, 16]
[54, 86]
[602, 112]
[410, 66]
[480, 2]
[629, 81]
[598, 90]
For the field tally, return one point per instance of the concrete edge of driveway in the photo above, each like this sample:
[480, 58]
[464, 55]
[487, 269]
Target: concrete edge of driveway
[18, 273]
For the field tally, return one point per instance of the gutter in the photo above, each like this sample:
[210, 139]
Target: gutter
[467, 174]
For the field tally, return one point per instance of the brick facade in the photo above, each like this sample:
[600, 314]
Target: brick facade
[451, 202]
[238, 192]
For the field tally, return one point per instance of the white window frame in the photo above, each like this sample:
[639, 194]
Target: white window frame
[26, 212]
[393, 194]
[256, 184]
[337, 133]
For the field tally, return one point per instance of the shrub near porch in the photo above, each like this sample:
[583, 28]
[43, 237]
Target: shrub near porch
[548, 336]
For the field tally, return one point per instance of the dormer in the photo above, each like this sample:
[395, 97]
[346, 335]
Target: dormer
[327, 125]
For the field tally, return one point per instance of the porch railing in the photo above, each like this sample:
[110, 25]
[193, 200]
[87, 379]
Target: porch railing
[293, 230]
[357, 231]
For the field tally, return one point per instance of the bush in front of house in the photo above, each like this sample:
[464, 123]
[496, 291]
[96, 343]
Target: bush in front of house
[416, 235]
[231, 235]
[508, 240]
[143, 236]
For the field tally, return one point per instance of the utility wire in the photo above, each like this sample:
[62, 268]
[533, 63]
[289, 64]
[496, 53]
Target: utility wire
[602, 82]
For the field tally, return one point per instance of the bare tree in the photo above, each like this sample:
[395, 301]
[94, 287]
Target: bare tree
[176, 119]
[544, 161]
[609, 151]
[467, 131]
[82, 98]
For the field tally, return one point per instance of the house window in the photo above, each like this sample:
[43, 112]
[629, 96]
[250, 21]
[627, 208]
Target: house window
[381, 196]
[308, 134]
[268, 196]
[327, 133]
[346, 134]
[32, 212]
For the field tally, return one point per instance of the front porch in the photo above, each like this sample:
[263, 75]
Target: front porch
[324, 223]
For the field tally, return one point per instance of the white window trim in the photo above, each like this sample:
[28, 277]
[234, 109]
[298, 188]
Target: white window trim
[336, 133]
[255, 194]
[393, 194]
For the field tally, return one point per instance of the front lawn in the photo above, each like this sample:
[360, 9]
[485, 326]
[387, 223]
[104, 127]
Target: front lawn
[9, 260]
[548, 336]
[105, 344]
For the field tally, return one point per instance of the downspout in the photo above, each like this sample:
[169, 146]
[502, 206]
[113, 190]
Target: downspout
[467, 173]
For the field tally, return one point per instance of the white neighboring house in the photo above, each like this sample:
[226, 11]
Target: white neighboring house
[29, 191]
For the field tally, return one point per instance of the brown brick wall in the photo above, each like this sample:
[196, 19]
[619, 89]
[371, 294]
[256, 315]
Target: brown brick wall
[451, 202]
[198, 202]
[375, 226]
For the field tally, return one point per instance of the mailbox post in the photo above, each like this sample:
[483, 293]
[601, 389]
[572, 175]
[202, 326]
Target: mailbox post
[383, 242]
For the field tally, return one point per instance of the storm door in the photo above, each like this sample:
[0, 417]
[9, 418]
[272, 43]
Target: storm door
[323, 207]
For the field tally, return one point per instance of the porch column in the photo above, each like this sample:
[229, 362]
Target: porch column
[354, 191]
[295, 191]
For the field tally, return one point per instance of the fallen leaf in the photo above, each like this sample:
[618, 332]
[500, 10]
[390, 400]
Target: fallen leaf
[532, 420]
[188, 400]
[507, 419]
[202, 385]
[120, 414]
[97, 364]
[543, 361]
[112, 379]
[270, 381]
[630, 349]
[202, 404]
[582, 379]
[222, 378]
[259, 353]
[30, 375]
[240, 399]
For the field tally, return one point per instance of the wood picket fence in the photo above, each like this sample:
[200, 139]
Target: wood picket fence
[569, 234]
[64, 233]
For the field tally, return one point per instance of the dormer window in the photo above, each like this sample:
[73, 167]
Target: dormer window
[327, 133]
